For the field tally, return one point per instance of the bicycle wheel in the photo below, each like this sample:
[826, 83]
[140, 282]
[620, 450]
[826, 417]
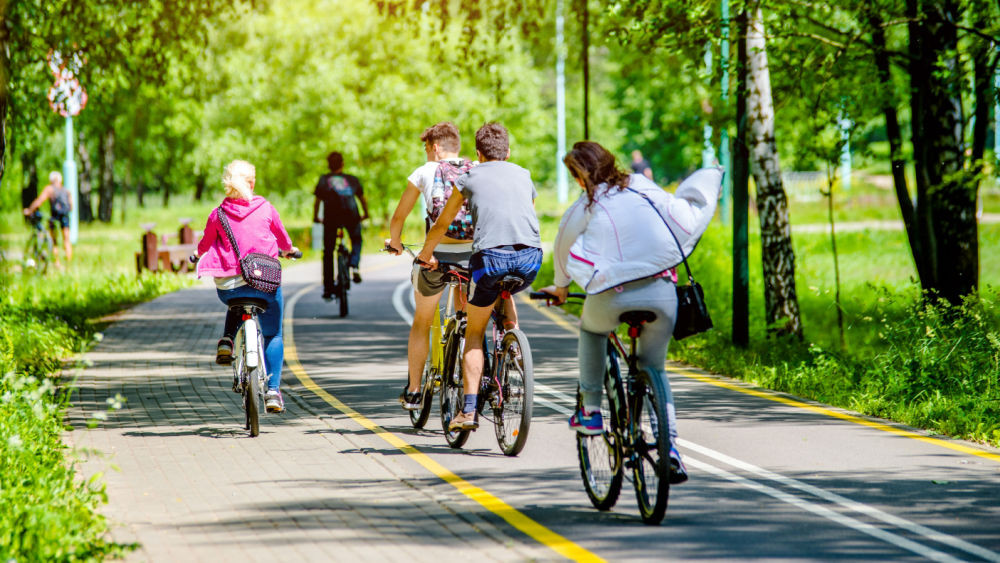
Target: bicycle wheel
[651, 440]
[512, 410]
[418, 417]
[343, 282]
[251, 403]
[601, 456]
[452, 395]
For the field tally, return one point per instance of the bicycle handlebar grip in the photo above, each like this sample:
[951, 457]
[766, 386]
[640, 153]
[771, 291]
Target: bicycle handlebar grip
[540, 295]
[193, 258]
[294, 255]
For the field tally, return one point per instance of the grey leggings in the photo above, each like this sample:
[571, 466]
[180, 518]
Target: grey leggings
[600, 317]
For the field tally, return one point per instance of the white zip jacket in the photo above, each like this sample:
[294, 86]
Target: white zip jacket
[621, 238]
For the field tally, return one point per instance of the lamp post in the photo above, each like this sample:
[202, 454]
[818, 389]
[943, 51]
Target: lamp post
[68, 98]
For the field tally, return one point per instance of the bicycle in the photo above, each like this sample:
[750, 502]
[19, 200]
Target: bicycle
[249, 367]
[342, 276]
[507, 382]
[38, 251]
[636, 427]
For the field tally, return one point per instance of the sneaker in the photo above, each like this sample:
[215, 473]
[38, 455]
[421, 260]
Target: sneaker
[328, 297]
[678, 473]
[410, 401]
[273, 401]
[464, 421]
[356, 276]
[591, 424]
[224, 351]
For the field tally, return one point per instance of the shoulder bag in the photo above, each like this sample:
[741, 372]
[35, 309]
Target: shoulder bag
[260, 271]
[692, 314]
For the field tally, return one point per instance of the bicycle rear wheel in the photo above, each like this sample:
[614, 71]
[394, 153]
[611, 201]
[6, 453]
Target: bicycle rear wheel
[512, 409]
[651, 440]
[418, 417]
[343, 282]
[601, 456]
[452, 395]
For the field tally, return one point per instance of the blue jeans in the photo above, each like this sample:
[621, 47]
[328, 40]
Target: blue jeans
[270, 327]
[490, 265]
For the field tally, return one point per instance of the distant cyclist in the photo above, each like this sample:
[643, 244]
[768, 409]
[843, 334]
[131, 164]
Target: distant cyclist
[615, 245]
[60, 203]
[256, 227]
[433, 181]
[335, 208]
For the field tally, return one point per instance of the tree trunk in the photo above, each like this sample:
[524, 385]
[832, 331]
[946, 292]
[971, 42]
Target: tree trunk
[199, 187]
[29, 170]
[166, 192]
[946, 191]
[896, 143]
[106, 161]
[741, 199]
[781, 303]
[86, 180]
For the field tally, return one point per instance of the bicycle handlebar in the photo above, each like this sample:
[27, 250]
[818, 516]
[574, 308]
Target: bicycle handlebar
[548, 297]
[193, 258]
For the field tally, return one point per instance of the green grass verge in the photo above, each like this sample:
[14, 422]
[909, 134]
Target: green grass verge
[926, 365]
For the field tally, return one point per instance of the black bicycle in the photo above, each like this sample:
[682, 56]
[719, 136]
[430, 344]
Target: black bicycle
[506, 389]
[342, 273]
[636, 429]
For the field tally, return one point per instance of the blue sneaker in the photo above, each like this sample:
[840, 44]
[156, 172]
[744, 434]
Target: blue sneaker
[591, 424]
[678, 473]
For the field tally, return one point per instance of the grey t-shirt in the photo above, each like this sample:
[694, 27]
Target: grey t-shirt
[501, 197]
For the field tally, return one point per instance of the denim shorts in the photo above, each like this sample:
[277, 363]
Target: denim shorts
[490, 265]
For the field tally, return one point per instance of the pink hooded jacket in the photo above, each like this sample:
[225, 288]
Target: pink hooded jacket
[256, 227]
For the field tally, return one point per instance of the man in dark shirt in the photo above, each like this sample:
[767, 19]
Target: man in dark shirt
[335, 207]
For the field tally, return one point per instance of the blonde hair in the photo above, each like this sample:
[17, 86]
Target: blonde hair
[55, 177]
[238, 179]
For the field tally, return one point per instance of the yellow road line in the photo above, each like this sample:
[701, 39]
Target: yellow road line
[772, 396]
[512, 516]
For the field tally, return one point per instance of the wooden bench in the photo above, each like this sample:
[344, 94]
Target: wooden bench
[158, 255]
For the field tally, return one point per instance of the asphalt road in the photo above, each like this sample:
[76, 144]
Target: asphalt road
[772, 476]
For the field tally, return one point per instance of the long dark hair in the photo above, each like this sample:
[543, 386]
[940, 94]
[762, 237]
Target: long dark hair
[594, 165]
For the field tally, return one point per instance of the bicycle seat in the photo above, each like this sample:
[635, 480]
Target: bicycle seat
[511, 280]
[241, 302]
[637, 318]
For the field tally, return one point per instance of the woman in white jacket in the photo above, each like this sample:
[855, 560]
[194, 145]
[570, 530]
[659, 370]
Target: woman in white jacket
[615, 244]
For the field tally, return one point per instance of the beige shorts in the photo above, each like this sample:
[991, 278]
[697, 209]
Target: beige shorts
[429, 282]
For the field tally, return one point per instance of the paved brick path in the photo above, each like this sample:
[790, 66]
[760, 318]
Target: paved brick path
[185, 481]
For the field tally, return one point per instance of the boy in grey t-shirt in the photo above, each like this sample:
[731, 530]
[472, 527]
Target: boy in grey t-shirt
[506, 242]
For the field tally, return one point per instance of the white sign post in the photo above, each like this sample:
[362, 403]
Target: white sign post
[68, 98]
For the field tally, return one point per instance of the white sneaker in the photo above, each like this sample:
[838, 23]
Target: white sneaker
[273, 401]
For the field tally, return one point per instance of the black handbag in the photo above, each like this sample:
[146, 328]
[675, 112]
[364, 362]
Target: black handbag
[260, 271]
[692, 313]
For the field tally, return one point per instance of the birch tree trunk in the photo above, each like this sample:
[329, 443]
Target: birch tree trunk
[780, 300]
[86, 179]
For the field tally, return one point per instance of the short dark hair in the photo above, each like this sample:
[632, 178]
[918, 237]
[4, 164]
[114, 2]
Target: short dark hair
[493, 141]
[335, 161]
[444, 134]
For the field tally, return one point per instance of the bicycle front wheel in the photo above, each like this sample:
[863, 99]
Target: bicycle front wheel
[512, 409]
[418, 417]
[452, 395]
[251, 404]
[601, 455]
[651, 443]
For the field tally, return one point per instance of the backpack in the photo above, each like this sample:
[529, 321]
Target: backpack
[444, 182]
[60, 201]
[341, 199]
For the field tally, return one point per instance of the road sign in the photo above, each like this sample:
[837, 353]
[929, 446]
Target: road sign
[67, 96]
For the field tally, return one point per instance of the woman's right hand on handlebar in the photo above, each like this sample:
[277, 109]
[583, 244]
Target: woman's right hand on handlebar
[395, 249]
[294, 253]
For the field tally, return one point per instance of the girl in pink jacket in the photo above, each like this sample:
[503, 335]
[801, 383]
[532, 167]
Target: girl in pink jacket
[256, 227]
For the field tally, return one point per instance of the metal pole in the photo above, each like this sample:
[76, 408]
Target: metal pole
[845, 151]
[562, 180]
[741, 199]
[586, 69]
[708, 151]
[724, 158]
[996, 118]
[70, 183]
